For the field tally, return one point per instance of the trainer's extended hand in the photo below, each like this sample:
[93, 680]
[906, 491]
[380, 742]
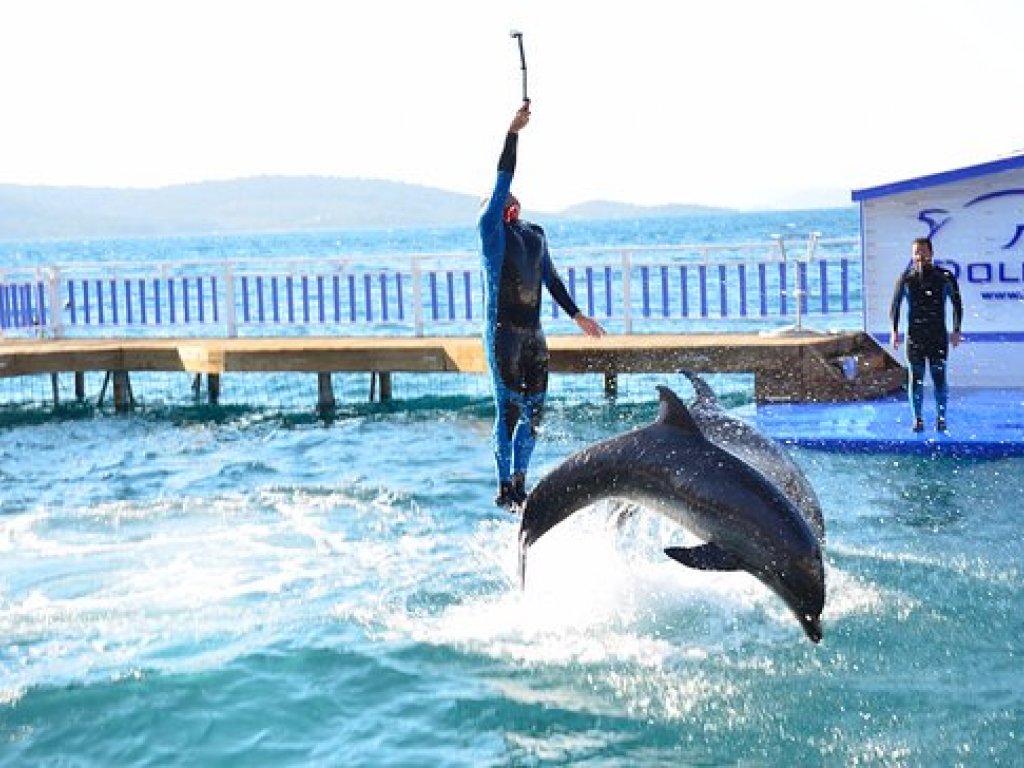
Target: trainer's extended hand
[589, 326]
[521, 119]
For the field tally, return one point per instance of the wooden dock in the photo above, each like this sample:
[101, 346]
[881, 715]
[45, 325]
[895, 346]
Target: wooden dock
[806, 367]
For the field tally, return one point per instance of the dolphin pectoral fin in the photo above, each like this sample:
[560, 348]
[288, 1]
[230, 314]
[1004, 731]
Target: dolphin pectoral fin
[706, 557]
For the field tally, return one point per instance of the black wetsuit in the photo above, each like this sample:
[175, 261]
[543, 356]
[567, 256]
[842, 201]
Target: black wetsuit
[926, 290]
[516, 263]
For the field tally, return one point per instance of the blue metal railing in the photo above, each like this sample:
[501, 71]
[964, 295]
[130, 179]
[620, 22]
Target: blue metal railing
[631, 290]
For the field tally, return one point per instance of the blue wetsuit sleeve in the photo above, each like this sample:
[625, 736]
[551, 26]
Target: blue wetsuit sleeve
[554, 283]
[490, 216]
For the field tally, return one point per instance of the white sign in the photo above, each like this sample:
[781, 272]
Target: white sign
[975, 217]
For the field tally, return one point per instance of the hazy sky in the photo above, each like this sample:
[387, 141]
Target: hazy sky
[743, 103]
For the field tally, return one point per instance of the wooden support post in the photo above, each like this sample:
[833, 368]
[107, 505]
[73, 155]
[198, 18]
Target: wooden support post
[213, 388]
[384, 379]
[103, 390]
[325, 398]
[123, 400]
[611, 384]
[55, 386]
[80, 386]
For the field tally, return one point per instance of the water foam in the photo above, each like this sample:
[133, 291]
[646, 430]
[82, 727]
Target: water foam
[174, 583]
[601, 592]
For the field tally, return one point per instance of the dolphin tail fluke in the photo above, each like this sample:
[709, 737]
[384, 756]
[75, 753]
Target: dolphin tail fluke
[706, 557]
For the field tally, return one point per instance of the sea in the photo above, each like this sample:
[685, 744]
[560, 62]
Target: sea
[254, 585]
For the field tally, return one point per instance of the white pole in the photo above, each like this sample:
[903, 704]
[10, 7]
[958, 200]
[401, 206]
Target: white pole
[627, 302]
[56, 310]
[417, 297]
[231, 315]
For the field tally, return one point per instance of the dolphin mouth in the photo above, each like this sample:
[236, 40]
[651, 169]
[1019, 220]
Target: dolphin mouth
[811, 626]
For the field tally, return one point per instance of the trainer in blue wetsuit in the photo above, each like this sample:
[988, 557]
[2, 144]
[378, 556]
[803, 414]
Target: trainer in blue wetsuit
[926, 289]
[516, 263]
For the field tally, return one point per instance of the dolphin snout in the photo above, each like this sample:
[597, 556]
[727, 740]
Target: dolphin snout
[812, 626]
[803, 589]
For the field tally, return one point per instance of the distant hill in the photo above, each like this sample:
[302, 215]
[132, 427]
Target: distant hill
[261, 204]
[608, 209]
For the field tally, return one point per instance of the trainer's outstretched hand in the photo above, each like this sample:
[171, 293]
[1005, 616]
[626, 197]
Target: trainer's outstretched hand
[589, 326]
[521, 119]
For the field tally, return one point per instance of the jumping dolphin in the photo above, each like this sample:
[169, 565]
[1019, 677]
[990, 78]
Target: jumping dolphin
[757, 449]
[672, 468]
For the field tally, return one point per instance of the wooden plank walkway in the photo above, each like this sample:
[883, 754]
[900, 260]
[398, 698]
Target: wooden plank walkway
[786, 368]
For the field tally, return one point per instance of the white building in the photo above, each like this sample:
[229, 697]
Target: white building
[975, 217]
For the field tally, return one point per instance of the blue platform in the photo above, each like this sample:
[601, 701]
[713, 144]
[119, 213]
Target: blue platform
[981, 422]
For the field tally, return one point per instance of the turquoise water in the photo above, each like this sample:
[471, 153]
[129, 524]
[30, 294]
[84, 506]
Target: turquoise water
[246, 586]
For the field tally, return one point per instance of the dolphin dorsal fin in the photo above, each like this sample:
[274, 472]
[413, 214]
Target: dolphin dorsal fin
[705, 394]
[674, 413]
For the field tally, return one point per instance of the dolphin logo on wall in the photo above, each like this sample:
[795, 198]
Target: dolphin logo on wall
[937, 218]
[670, 466]
[927, 216]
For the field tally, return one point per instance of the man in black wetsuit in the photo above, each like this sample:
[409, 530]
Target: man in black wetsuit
[516, 263]
[926, 288]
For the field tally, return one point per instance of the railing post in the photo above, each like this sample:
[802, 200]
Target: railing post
[780, 240]
[163, 281]
[53, 296]
[417, 297]
[798, 282]
[812, 246]
[231, 317]
[627, 301]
